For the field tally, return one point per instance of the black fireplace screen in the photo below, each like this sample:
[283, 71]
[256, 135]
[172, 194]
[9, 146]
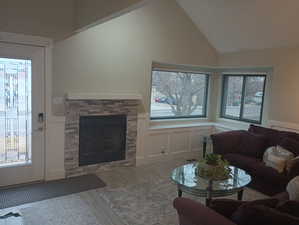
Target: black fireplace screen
[102, 139]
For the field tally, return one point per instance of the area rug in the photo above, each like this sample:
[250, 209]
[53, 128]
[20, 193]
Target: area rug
[152, 203]
[70, 210]
[41, 191]
[144, 203]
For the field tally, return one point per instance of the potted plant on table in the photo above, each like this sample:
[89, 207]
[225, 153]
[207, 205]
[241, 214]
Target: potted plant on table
[213, 167]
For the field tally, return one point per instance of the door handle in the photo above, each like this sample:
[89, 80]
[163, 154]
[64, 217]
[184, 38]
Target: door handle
[40, 120]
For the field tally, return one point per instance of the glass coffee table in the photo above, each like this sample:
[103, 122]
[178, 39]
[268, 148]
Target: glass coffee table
[188, 182]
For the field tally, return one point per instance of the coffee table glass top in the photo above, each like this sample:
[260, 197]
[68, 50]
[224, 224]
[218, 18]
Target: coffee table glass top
[187, 180]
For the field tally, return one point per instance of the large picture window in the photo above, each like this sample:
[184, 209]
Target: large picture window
[178, 94]
[243, 97]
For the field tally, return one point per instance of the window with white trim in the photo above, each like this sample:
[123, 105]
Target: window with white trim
[243, 97]
[178, 94]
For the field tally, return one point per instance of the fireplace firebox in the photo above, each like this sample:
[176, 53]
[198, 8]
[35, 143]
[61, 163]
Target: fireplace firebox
[102, 139]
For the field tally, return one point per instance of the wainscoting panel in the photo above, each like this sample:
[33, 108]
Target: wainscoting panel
[157, 144]
[170, 142]
[179, 141]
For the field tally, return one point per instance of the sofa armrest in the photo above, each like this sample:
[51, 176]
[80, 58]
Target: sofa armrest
[227, 142]
[194, 213]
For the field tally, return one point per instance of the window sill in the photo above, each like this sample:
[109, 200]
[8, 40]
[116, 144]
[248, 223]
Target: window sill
[177, 126]
[179, 123]
[233, 124]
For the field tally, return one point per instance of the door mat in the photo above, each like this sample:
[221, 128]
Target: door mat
[36, 192]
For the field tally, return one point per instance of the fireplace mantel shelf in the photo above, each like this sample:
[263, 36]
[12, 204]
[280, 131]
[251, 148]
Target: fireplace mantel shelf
[103, 96]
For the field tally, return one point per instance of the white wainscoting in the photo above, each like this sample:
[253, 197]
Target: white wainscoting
[54, 157]
[161, 143]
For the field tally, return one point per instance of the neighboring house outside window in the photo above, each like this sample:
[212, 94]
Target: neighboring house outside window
[178, 94]
[243, 97]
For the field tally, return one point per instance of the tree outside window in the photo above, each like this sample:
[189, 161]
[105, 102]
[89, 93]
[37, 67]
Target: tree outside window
[178, 94]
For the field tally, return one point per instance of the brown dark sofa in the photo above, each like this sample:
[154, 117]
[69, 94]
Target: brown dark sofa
[245, 149]
[273, 211]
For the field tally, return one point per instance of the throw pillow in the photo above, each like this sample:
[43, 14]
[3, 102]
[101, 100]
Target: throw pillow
[253, 145]
[277, 158]
[262, 215]
[291, 145]
[293, 189]
[289, 207]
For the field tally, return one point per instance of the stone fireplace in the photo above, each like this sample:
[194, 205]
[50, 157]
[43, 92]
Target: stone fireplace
[99, 134]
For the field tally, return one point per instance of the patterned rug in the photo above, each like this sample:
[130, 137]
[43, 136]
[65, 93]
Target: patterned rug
[151, 203]
[69, 210]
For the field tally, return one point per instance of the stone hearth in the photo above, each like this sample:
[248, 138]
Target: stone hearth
[75, 109]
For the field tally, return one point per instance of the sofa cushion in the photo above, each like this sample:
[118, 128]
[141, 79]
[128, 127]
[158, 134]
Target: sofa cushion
[241, 161]
[289, 134]
[266, 187]
[225, 207]
[269, 202]
[272, 135]
[256, 168]
[253, 145]
[289, 207]
[227, 142]
[268, 174]
[240, 215]
[262, 215]
[290, 144]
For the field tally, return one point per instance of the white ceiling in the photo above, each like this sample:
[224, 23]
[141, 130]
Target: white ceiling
[235, 25]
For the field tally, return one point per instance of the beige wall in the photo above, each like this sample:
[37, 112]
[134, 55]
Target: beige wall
[90, 11]
[116, 56]
[52, 19]
[283, 90]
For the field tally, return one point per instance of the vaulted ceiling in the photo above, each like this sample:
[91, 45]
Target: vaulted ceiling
[235, 25]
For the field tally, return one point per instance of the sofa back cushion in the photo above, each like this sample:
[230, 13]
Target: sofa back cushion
[289, 207]
[274, 136]
[262, 215]
[253, 145]
[289, 134]
[271, 135]
[290, 144]
[227, 142]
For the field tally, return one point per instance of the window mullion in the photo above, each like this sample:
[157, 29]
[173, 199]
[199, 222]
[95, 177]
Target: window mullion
[224, 95]
[243, 96]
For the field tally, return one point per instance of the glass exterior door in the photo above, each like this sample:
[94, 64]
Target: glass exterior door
[15, 111]
[21, 114]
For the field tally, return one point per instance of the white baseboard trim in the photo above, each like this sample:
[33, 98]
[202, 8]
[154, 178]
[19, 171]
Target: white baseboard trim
[160, 158]
[55, 175]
